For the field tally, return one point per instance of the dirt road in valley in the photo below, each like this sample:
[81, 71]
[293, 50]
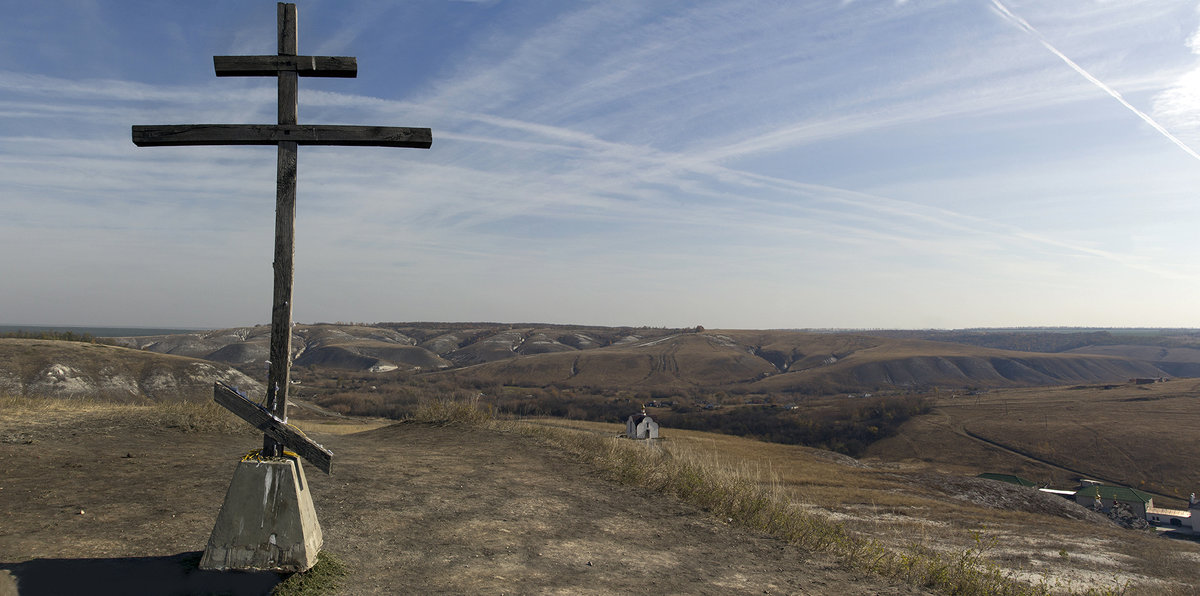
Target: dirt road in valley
[108, 504]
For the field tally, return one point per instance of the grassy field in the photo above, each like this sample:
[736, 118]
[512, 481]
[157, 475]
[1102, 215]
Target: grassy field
[1142, 436]
[1042, 542]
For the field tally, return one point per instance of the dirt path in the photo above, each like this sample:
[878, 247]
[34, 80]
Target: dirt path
[109, 505]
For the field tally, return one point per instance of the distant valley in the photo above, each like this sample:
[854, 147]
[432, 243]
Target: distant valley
[843, 391]
[806, 363]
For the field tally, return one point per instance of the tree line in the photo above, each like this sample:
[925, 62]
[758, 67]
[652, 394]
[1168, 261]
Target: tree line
[846, 425]
[51, 335]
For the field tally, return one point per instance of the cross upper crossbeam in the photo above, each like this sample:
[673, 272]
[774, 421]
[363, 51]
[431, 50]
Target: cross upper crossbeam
[271, 134]
[269, 66]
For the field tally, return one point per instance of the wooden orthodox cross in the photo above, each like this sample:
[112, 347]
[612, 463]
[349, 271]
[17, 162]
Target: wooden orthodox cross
[287, 135]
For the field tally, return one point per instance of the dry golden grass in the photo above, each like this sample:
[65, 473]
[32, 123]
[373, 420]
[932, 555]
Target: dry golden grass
[348, 426]
[746, 495]
[186, 416]
[912, 511]
[448, 411]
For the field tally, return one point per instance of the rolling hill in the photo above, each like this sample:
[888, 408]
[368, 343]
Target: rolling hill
[349, 347]
[915, 363]
[1177, 361]
[643, 358]
[100, 372]
[806, 363]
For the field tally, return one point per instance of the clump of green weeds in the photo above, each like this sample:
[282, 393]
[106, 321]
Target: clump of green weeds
[322, 578]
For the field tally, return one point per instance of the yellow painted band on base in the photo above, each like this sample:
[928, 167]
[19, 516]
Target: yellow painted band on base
[256, 455]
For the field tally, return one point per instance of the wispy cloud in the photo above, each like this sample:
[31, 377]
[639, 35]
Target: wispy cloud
[1179, 105]
[619, 149]
[605, 181]
[1026, 27]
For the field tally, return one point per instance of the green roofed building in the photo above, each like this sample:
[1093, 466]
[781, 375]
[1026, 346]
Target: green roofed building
[1009, 478]
[1136, 500]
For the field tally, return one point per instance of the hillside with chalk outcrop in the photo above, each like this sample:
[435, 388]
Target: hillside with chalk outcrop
[99, 372]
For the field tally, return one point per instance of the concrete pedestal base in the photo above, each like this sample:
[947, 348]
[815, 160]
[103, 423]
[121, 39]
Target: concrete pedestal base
[267, 522]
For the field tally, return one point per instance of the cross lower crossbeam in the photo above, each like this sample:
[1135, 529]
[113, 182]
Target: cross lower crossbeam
[272, 134]
[265, 421]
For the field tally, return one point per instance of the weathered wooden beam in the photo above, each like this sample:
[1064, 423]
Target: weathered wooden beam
[278, 376]
[269, 66]
[289, 29]
[271, 134]
[273, 427]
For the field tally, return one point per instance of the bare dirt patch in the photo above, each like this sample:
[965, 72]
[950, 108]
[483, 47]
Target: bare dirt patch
[110, 501]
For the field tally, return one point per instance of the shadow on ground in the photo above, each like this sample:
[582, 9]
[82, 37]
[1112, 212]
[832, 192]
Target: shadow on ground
[173, 575]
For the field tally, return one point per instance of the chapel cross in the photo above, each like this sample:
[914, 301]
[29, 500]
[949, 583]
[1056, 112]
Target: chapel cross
[287, 134]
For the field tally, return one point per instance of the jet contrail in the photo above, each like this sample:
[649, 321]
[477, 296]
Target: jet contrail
[1026, 27]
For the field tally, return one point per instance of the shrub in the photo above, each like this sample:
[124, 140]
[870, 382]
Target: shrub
[450, 411]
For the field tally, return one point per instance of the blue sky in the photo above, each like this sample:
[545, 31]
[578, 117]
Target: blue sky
[900, 164]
